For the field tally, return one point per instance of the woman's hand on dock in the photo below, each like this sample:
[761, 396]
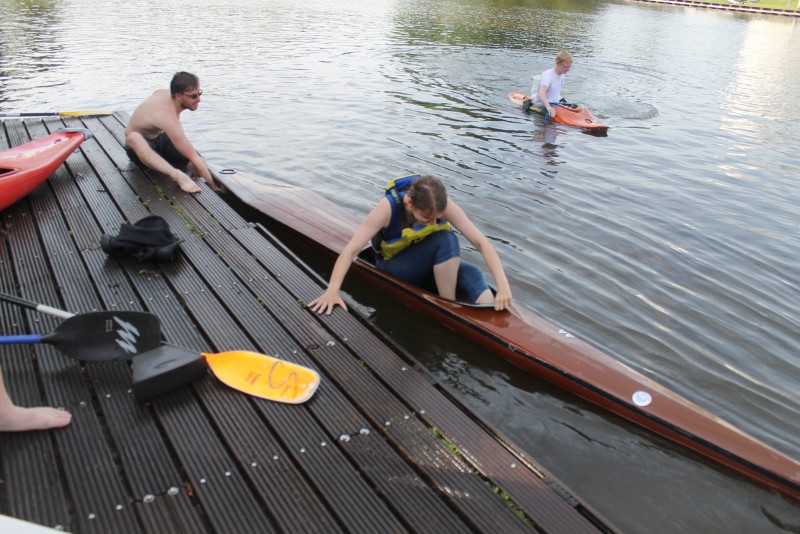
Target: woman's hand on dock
[326, 302]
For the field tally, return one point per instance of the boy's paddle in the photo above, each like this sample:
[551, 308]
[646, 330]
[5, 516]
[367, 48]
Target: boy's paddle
[100, 336]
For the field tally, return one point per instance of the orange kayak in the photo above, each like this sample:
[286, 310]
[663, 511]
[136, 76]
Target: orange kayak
[24, 167]
[531, 342]
[576, 115]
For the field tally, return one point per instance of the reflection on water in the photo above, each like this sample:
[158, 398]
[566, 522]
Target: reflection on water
[671, 243]
[774, 97]
[28, 49]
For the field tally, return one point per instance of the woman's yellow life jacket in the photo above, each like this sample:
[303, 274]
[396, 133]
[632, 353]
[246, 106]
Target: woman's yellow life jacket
[398, 235]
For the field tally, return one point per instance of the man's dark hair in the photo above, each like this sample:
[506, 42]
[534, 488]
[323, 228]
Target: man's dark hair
[182, 82]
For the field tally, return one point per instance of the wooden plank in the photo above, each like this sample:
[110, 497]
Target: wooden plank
[224, 511]
[290, 313]
[218, 323]
[156, 476]
[95, 492]
[27, 459]
[381, 446]
[537, 498]
[285, 305]
[229, 288]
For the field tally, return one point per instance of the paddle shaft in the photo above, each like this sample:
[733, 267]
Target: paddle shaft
[56, 113]
[43, 308]
[15, 340]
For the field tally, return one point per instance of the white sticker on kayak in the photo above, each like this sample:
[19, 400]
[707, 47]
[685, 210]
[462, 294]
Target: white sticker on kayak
[564, 333]
[642, 398]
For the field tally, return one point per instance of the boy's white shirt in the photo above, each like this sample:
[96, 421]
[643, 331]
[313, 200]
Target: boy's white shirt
[558, 82]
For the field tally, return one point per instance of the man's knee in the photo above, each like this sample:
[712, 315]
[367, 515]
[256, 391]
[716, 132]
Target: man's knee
[132, 139]
[136, 143]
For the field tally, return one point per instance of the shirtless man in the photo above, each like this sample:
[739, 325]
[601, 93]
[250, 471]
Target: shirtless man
[16, 419]
[156, 139]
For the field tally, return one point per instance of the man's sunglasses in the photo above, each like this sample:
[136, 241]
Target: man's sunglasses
[194, 96]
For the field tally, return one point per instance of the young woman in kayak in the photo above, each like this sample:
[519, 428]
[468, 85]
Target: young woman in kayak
[412, 226]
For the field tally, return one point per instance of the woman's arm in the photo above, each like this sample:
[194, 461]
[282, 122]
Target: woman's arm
[378, 218]
[459, 219]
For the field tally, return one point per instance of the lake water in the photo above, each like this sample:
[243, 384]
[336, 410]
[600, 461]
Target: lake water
[671, 244]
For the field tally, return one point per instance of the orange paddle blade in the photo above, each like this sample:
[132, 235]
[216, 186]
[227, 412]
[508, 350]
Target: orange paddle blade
[264, 376]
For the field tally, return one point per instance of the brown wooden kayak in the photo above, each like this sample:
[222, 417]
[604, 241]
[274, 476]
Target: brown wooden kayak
[531, 342]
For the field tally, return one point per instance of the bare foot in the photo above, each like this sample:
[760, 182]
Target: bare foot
[186, 183]
[17, 419]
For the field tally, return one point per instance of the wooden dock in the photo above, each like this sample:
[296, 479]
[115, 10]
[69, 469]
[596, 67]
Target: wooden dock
[743, 7]
[381, 447]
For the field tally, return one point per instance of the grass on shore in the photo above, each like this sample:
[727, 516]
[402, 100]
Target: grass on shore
[769, 4]
[773, 4]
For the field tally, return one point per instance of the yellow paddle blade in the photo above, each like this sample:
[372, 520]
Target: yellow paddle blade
[264, 376]
[84, 112]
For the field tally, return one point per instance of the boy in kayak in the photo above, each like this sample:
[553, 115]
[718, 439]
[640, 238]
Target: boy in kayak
[412, 226]
[155, 137]
[16, 419]
[549, 86]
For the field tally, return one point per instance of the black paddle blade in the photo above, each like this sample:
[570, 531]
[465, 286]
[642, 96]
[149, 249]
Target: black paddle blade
[166, 368]
[106, 336]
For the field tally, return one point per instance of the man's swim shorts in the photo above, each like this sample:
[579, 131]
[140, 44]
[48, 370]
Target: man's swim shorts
[164, 148]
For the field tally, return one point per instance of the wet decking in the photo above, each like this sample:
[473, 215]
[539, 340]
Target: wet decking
[381, 447]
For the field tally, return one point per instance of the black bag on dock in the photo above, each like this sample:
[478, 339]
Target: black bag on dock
[148, 239]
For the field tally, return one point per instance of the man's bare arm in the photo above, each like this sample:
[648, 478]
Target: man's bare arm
[181, 142]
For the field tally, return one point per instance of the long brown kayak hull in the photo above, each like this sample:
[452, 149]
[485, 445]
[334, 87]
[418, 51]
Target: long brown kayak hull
[533, 343]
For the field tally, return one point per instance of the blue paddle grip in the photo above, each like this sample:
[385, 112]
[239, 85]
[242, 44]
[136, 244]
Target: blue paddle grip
[26, 338]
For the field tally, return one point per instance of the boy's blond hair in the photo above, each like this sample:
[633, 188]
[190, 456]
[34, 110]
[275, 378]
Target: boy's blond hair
[563, 57]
